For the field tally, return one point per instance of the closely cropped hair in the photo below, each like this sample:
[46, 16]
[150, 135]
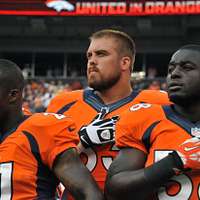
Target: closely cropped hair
[126, 42]
[11, 75]
[195, 47]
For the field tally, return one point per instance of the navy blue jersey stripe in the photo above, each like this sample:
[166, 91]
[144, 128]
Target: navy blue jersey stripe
[179, 120]
[46, 181]
[96, 102]
[147, 135]
[3, 136]
[66, 107]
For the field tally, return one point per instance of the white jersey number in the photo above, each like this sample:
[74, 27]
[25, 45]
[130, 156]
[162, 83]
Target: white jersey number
[92, 158]
[6, 178]
[184, 183]
[139, 106]
[57, 116]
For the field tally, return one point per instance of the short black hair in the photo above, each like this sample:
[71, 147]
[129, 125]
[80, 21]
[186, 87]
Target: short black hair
[11, 76]
[126, 42]
[194, 47]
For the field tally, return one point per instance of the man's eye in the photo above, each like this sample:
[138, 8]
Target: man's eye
[188, 67]
[170, 68]
[101, 54]
[89, 56]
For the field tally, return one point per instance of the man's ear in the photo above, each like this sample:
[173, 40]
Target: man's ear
[125, 63]
[13, 95]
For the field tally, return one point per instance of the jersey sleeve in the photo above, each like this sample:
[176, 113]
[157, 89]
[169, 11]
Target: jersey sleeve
[56, 102]
[133, 124]
[159, 97]
[128, 133]
[54, 133]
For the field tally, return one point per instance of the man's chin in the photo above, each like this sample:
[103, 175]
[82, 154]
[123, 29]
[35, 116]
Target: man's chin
[179, 100]
[94, 85]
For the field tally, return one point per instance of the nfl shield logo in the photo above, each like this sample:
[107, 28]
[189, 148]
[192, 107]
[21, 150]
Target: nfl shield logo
[195, 132]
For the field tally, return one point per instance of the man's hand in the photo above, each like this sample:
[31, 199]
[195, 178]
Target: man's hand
[189, 153]
[99, 131]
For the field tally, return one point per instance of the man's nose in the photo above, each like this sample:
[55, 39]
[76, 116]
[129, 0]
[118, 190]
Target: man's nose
[92, 61]
[176, 72]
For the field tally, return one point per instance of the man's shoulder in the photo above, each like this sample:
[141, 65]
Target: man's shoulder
[153, 97]
[77, 94]
[143, 111]
[45, 120]
[62, 102]
[141, 115]
[64, 99]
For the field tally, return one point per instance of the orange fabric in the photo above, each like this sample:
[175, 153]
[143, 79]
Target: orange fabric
[189, 152]
[52, 136]
[165, 137]
[98, 159]
[153, 96]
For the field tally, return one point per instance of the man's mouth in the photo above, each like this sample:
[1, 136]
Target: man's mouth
[175, 86]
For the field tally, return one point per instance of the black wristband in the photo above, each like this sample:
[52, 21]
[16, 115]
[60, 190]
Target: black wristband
[160, 172]
[177, 160]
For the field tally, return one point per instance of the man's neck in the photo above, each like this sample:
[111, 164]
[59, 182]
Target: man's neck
[190, 112]
[11, 122]
[113, 95]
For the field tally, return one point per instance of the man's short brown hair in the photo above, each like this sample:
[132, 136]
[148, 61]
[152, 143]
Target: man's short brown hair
[127, 44]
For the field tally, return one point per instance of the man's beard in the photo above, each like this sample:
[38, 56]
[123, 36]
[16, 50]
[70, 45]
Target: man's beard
[105, 84]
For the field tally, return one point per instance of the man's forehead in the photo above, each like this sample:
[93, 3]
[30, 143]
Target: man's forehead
[103, 43]
[186, 55]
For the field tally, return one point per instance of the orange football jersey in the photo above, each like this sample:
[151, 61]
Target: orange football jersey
[27, 153]
[83, 106]
[158, 130]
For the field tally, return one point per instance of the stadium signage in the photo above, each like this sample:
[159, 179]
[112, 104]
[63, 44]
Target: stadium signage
[138, 8]
[100, 8]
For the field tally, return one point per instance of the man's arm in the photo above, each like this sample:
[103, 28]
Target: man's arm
[128, 178]
[76, 177]
[121, 175]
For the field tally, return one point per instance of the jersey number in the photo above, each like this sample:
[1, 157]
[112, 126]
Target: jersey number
[139, 106]
[92, 158]
[57, 116]
[183, 182]
[6, 181]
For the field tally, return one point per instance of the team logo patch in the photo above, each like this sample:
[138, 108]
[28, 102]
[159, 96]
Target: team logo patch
[195, 132]
[138, 106]
[59, 5]
[105, 135]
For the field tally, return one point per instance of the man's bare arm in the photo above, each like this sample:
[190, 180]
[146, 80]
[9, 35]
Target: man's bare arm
[76, 177]
[128, 179]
